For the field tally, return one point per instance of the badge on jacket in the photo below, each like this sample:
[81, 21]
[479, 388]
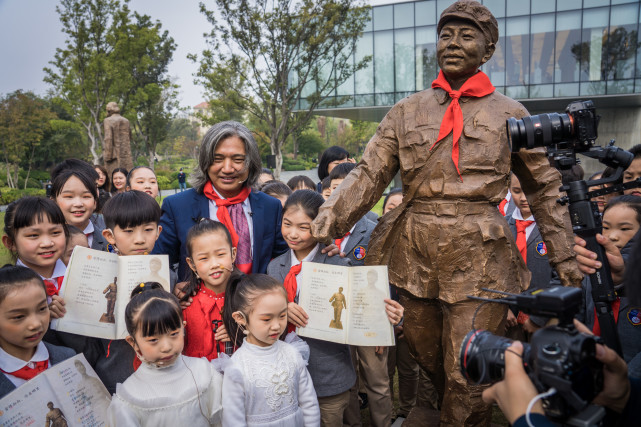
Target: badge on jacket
[634, 316]
[359, 252]
[541, 249]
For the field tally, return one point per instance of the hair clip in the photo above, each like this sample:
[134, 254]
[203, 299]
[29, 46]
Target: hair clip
[142, 285]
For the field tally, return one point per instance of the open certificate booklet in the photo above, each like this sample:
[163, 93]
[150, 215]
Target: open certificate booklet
[67, 394]
[97, 288]
[345, 304]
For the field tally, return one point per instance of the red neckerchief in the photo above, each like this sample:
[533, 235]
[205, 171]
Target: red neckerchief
[616, 304]
[291, 286]
[223, 214]
[26, 373]
[502, 206]
[521, 241]
[476, 86]
[339, 242]
[53, 285]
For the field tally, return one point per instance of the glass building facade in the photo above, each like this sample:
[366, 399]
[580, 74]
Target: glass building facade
[546, 49]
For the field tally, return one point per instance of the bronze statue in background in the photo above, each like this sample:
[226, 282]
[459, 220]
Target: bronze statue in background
[116, 147]
[447, 239]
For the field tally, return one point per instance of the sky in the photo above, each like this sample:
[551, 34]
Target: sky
[30, 32]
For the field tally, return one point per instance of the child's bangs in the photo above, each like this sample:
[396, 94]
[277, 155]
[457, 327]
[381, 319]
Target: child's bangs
[34, 210]
[159, 317]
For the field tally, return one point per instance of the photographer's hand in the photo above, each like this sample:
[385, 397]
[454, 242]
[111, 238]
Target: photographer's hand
[587, 259]
[616, 385]
[515, 392]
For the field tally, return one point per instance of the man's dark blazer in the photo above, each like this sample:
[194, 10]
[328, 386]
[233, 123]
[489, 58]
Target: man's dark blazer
[181, 211]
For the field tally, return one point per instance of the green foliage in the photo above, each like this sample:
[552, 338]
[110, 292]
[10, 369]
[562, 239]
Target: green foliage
[24, 124]
[164, 183]
[310, 143]
[12, 194]
[264, 55]
[297, 165]
[83, 70]
[111, 54]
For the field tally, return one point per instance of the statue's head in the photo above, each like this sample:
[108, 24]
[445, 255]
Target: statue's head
[467, 37]
[112, 108]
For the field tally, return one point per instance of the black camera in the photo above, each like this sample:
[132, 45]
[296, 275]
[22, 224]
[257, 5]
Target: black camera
[576, 128]
[558, 356]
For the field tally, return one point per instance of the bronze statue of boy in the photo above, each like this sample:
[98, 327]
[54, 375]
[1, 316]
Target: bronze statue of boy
[447, 240]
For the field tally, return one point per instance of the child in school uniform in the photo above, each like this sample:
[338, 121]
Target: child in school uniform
[36, 235]
[370, 362]
[132, 221]
[330, 364]
[621, 222]
[534, 253]
[24, 320]
[76, 194]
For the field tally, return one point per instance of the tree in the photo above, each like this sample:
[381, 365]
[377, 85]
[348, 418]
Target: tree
[24, 122]
[277, 52]
[310, 143]
[112, 55]
[84, 67]
[147, 96]
[182, 138]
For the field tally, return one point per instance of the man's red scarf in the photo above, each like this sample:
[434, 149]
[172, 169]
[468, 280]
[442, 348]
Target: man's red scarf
[222, 213]
[476, 86]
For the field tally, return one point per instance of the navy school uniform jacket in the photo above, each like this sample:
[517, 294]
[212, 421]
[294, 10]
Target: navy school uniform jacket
[330, 364]
[537, 262]
[56, 355]
[99, 241]
[181, 211]
[356, 246]
[537, 259]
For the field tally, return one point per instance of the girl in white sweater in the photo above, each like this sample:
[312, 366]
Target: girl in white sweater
[266, 382]
[168, 389]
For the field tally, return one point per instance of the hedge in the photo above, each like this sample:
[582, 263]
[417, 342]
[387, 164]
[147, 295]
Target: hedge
[12, 194]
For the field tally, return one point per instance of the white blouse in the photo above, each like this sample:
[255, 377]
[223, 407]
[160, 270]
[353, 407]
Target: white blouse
[269, 386]
[187, 393]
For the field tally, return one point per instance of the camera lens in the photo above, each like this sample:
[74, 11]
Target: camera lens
[538, 131]
[482, 356]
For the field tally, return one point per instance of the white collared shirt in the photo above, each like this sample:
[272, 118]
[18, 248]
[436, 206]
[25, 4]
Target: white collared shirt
[89, 232]
[9, 363]
[516, 214]
[310, 256]
[213, 209]
[59, 270]
[344, 242]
